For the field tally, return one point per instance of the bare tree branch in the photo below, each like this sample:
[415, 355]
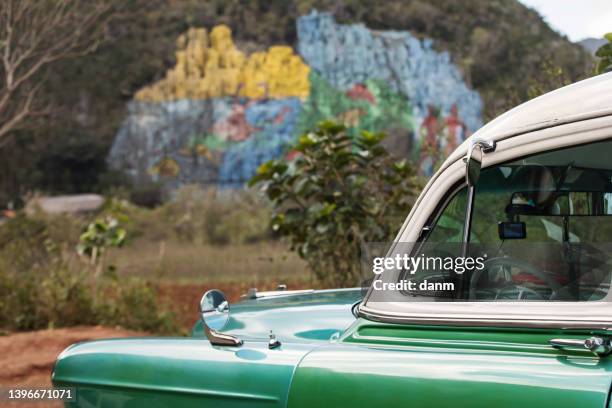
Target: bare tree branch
[18, 116]
[35, 34]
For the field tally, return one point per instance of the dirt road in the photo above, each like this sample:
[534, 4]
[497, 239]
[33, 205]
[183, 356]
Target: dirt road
[27, 358]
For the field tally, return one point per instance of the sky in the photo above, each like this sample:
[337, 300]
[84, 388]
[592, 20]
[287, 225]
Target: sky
[578, 19]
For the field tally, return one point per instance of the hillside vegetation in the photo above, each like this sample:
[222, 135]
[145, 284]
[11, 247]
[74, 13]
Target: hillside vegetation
[501, 47]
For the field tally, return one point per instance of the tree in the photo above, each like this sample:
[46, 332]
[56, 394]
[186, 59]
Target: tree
[338, 194]
[100, 235]
[34, 34]
[604, 53]
[549, 77]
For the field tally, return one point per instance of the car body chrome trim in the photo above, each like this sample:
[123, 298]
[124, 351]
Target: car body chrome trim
[254, 294]
[526, 321]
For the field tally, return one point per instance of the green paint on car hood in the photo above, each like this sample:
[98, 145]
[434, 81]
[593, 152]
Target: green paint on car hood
[379, 364]
[371, 364]
[161, 372]
[304, 317]
[177, 372]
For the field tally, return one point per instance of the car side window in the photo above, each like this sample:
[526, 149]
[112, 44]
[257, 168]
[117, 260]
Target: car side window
[449, 226]
[443, 241]
[544, 224]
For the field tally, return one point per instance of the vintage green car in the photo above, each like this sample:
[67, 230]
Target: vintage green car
[529, 329]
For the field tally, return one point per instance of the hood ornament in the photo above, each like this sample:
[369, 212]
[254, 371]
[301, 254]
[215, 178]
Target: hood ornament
[273, 342]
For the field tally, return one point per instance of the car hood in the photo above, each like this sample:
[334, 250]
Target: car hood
[307, 316]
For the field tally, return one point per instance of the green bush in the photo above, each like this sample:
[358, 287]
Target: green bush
[339, 194]
[22, 242]
[67, 298]
[63, 298]
[203, 216]
[31, 300]
[237, 219]
[604, 54]
[134, 304]
[44, 284]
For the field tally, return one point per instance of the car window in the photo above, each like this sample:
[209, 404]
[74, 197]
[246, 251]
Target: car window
[543, 224]
[448, 228]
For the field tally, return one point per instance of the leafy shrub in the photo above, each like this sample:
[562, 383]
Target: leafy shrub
[236, 219]
[67, 298]
[338, 194]
[101, 234]
[43, 284]
[32, 300]
[604, 54]
[134, 304]
[22, 241]
[203, 216]
[64, 298]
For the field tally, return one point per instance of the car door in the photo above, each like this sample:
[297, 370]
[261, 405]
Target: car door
[559, 270]
[382, 365]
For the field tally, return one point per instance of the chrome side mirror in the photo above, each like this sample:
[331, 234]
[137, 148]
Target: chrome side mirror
[473, 162]
[214, 312]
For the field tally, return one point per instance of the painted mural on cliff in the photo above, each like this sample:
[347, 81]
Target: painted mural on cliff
[220, 113]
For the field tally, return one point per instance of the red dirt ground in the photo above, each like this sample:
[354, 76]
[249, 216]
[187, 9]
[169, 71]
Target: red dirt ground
[27, 358]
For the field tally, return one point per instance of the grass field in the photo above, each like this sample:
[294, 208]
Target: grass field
[184, 271]
[175, 252]
[254, 264]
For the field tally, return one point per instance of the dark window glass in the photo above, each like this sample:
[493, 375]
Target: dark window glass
[544, 225]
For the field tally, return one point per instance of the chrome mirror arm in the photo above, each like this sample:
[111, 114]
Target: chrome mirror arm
[473, 161]
[487, 146]
[215, 308]
[220, 339]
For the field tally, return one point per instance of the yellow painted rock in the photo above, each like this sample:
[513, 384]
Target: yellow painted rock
[210, 66]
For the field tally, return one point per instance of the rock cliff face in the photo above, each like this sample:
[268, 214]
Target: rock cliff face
[218, 114]
[210, 66]
[346, 55]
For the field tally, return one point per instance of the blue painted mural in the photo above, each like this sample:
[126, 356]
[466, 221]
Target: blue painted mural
[215, 124]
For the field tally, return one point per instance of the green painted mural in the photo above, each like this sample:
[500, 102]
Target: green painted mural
[219, 113]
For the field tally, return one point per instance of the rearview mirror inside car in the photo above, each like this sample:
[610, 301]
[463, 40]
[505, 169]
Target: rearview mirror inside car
[512, 230]
[560, 203]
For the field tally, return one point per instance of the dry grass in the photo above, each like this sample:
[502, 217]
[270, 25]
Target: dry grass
[252, 265]
[184, 271]
[196, 242]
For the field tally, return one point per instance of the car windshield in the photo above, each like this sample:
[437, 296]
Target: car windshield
[542, 225]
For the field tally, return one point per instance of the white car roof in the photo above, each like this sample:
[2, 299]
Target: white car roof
[587, 105]
[579, 101]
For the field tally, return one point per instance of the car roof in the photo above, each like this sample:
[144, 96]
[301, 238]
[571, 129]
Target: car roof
[582, 100]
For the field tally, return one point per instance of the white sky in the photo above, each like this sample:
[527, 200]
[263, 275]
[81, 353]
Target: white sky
[577, 19]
